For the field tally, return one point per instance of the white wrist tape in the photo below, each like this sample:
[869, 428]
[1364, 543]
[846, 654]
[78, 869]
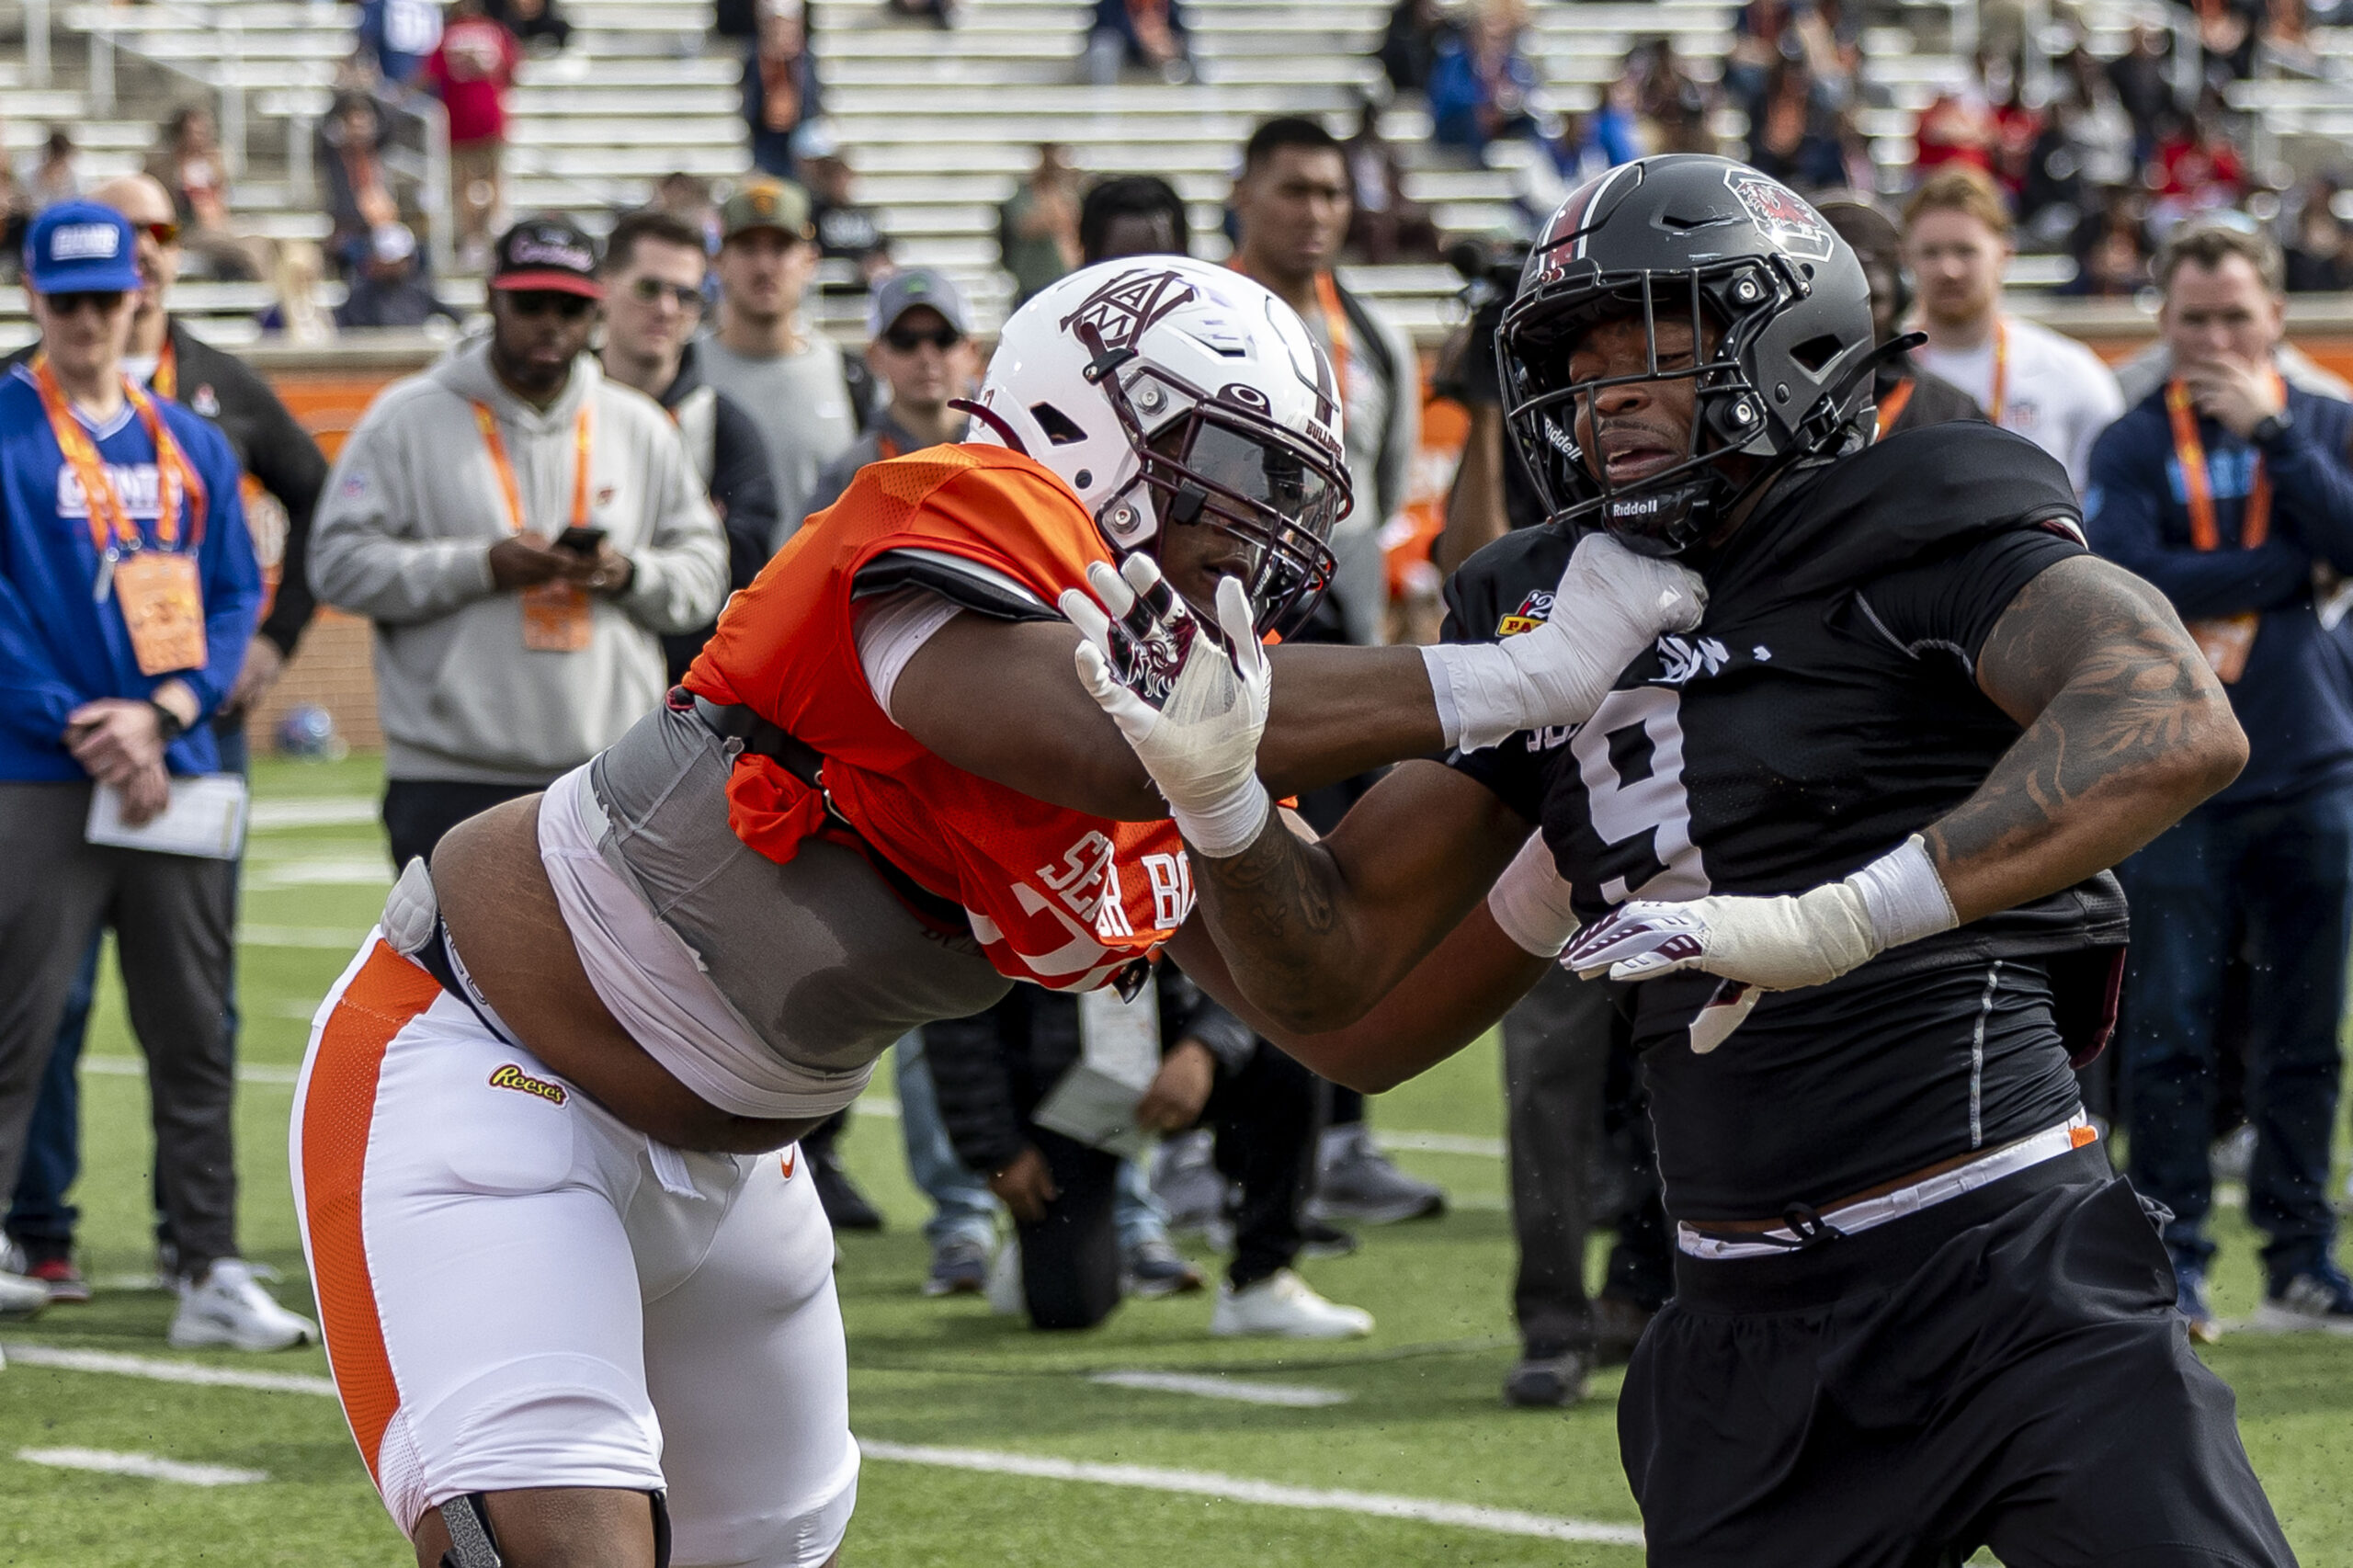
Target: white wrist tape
[1530, 902]
[1904, 895]
[1228, 827]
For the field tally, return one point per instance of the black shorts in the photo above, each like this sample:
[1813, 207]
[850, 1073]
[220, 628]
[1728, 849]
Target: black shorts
[2004, 1370]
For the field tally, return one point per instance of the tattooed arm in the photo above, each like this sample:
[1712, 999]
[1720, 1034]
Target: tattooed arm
[2126, 730]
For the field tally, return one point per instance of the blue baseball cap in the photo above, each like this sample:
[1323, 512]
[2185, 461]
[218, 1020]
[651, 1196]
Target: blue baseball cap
[81, 247]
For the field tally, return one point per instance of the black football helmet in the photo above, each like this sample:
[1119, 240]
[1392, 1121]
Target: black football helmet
[1688, 237]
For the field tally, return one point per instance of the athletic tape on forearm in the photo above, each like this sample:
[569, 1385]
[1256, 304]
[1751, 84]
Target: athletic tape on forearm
[1230, 826]
[1486, 694]
[1530, 902]
[1904, 894]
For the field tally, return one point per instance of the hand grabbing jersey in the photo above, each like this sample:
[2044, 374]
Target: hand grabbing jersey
[1191, 699]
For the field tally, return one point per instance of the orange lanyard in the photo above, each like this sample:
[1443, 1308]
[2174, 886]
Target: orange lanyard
[1890, 407]
[2001, 371]
[166, 379]
[111, 531]
[1336, 324]
[488, 422]
[886, 447]
[2255, 525]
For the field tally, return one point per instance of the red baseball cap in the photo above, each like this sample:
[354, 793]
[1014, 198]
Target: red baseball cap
[550, 255]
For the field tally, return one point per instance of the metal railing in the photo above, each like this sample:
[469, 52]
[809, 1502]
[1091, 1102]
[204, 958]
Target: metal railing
[106, 38]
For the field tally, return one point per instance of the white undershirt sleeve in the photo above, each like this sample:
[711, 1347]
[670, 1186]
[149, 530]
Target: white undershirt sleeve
[889, 628]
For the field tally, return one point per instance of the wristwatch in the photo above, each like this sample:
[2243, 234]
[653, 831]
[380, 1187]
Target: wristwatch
[2270, 427]
[168, 727]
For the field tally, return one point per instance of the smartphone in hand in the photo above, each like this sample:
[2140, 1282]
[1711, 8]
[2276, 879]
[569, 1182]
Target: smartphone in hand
[580, 541]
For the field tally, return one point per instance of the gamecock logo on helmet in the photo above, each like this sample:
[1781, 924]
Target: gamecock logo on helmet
[1782, 214]
[1121, 310]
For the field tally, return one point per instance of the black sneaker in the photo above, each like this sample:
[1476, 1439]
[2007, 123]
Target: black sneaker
[846, 1209]
[2320, 1301]
[958, 1269]
[1547, 1380]
[1152, 1270]
[1355, 1181]
[1317, 1239]
[1185, 1179]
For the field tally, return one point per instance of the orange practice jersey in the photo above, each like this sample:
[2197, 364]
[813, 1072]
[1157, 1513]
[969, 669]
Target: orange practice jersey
[1053, 896]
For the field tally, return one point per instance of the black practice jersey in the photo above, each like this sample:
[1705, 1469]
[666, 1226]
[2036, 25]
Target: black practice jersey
[1826, 709]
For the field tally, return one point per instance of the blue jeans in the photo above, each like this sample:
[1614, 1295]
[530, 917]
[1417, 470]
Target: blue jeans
[963, 1207]
[39, 1216]
[2274, 880]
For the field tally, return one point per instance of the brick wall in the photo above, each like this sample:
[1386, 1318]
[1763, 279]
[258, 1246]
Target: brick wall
[331, 667]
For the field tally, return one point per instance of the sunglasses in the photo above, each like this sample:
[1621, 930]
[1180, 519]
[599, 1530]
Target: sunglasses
[906, 341]
[541, 301]
[646, 291]
[161, 234]
[105, 302]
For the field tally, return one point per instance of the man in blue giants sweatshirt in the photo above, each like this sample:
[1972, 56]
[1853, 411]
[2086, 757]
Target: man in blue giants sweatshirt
[128, 593]
[2230, 491]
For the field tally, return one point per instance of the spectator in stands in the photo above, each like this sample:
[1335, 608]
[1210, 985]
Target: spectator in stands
[2050, 389]
[397, 35]
[1385, 225]
[271, 449]
[920, 345]
[1957, 127]
[2099, 129]
[846, 232]
[2197, 169]
[470, 70]
[652, 271]
[2321, 261]
[113, 689]
[688, 199]
[56, 173]
[389, 290]
[350, 163]
[781, 86]
[1133, 215]
[2144, 81]
[2228, 31]
[187, 163]
[1757, 48]
[539, 24]
[2226, 489]
[15, 212]
[1292, 206]
[1906, 396]
[1673, 105]
[1791, 136]
[994, 1070]
[1480, 87]
[2112, 262]
[1148, 35]
[764, 356]
[1037, 228]
[295, 273]
[505, 656]
[1410, 42]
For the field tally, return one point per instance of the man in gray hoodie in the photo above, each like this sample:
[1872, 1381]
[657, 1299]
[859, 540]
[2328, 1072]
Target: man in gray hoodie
[522, 532]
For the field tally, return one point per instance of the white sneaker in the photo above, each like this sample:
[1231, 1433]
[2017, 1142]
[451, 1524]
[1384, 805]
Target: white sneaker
[1282, 1304]
[1006, 1297]
[232, 1309]
[20, 1297]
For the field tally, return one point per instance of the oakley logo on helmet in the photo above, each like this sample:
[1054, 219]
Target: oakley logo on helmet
[1122, 310]
[1782, 215]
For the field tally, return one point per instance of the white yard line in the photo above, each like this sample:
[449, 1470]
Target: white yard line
[1269, 1494]
[1148, 1478]
[136, 1067]
[148, 1467]
[317, 871]
[313, 811]
[1296, 1395]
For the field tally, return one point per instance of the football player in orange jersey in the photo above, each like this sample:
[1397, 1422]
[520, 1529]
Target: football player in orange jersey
[561, 1267]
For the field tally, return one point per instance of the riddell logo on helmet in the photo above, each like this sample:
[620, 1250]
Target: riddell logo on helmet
[1782, 214]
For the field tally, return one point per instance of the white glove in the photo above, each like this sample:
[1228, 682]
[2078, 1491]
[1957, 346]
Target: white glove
[1610, 605]
[1780, 943]
[1192, 705]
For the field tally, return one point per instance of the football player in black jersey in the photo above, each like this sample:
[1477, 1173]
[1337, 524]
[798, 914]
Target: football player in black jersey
[1846, 846]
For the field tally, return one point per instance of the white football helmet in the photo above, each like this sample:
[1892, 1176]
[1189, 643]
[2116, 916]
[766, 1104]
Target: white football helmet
[1161, 388]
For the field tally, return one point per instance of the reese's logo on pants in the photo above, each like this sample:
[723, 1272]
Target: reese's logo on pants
[513, 1077]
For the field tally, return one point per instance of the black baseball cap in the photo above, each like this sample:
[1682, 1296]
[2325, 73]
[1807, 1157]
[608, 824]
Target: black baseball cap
[550, 255]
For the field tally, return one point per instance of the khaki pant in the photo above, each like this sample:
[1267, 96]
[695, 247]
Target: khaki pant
[476, 187]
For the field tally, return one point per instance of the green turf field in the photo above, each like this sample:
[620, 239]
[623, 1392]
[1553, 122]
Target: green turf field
[1420, 1420]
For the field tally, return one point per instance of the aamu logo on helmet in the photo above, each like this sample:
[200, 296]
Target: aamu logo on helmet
[1782, 214]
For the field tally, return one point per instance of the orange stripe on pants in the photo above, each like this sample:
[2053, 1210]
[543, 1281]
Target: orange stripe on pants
[387, 994]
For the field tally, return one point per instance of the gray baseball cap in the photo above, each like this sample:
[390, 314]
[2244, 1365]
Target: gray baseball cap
[910, 287]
